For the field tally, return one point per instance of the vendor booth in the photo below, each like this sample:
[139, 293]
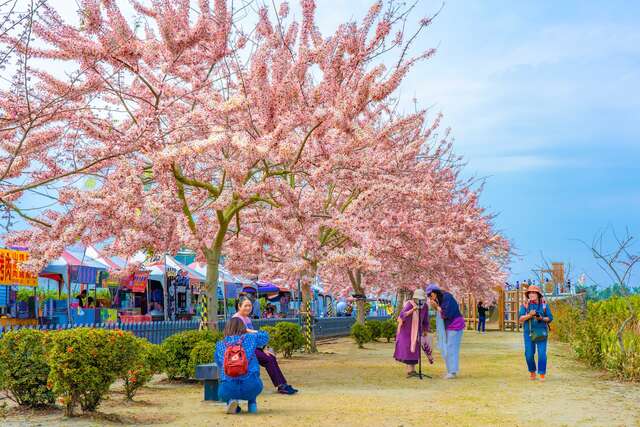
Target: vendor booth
[178, 283]
[77, 274]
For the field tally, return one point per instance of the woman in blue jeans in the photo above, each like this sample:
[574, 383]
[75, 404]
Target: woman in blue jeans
[248, 386]
[535, 315]
[450, 326]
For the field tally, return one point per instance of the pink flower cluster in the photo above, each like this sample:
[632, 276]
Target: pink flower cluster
[278, 148]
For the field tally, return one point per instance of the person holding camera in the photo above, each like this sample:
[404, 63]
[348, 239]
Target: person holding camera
[451, 327]
[535, 315]
[407, 340]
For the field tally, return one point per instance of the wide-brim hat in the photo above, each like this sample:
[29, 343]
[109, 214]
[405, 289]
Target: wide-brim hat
[419, 294]
[533, 288]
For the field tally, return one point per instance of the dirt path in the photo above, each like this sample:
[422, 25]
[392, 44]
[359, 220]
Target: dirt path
[346, 386]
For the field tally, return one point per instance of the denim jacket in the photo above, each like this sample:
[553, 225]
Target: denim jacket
[542, 309]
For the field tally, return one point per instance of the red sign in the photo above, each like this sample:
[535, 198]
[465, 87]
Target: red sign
[137, 282]
[10, 271]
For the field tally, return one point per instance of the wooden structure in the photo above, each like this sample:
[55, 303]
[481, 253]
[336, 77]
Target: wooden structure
[469, 308]
[557, 278]
[509, 303]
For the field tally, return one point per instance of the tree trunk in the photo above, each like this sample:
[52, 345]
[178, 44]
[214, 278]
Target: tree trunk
[307, 319]
[402, 298]
[212, 291]
[213, 271]
[360, 314]
[356, 282]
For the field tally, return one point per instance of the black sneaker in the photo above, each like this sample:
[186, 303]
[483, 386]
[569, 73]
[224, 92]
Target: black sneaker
[283, 389]
[294, 390]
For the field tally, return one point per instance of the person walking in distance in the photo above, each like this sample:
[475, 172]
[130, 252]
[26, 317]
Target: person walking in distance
[482, 317]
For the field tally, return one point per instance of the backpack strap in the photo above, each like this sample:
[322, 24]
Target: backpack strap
[240, 341]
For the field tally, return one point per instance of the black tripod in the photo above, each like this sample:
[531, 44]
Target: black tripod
[420, 307]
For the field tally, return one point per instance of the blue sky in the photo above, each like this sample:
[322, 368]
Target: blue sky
[544, 100]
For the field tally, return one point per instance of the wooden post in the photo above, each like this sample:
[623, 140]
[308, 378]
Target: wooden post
[500, 291]
[517, 309]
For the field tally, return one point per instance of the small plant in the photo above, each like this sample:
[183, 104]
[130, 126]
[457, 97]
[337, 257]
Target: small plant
[84, 362]
[150, 361]
[375, 326]
[24, 369]
[361, 334]
[389, 328]
[285, 338]
[201, 354]
[178, 347]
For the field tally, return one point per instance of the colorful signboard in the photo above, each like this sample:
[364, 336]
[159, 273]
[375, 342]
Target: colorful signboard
[10, 271]
[137, 282]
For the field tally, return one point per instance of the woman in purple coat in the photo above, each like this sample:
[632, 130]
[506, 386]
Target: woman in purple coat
[407, 340]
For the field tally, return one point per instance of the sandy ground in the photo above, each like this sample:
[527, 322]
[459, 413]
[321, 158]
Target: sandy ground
[343, 385]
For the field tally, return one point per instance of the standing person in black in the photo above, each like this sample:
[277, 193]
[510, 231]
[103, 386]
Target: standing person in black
[482, 316]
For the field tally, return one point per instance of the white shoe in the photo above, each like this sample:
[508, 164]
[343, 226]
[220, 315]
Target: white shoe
[450, 376]
[232, 407]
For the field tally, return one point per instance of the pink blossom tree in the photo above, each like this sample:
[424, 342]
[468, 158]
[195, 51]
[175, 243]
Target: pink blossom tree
[392, 211]
[182, 122]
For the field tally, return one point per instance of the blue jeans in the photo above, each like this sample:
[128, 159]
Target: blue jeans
[452, 353]
[244, 389]
[482, 322]
[530, 352]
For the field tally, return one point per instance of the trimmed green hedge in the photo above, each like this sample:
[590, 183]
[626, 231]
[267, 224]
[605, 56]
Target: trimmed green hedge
[361, 334]
[285, 338]
[177, 349]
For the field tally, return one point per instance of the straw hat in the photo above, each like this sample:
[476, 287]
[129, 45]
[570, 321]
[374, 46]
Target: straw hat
[534, 288]
[419, 294]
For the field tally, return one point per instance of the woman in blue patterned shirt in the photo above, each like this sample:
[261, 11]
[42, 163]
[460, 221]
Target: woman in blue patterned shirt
[248, 386]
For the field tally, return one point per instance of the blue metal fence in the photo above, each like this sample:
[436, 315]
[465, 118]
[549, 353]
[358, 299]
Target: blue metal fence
[156, 332]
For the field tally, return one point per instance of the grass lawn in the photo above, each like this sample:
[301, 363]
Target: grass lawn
[342, 385]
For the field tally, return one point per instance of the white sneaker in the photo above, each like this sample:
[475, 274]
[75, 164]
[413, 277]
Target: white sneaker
[450, 376]
[232, 407]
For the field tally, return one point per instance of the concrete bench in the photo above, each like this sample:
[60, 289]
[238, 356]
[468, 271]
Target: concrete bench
[209, 374]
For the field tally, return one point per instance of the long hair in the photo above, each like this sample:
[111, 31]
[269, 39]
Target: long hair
[234, 326]
[439, 296]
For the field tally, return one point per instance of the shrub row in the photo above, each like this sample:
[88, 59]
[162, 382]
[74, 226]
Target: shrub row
[373, 330]
[78, 366]
[592, 332]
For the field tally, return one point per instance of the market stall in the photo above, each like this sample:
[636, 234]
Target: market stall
[131, 292]
[281, 303]
[78, 272]
[177, 282]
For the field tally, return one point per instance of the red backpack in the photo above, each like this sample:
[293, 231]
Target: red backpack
[235, 360]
